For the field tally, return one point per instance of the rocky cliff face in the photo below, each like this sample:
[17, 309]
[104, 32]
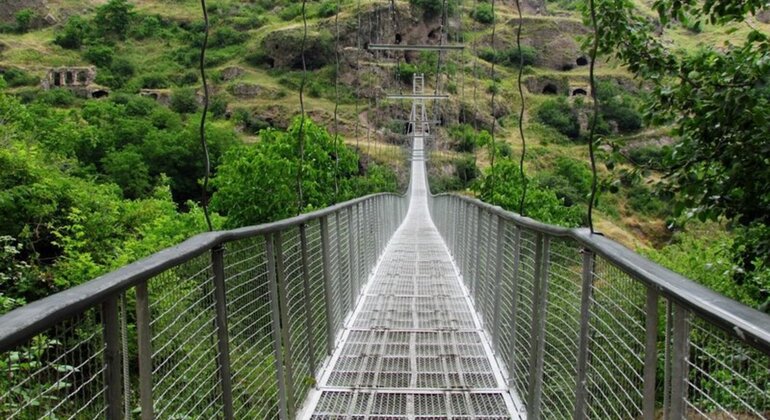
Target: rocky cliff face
[9, 9]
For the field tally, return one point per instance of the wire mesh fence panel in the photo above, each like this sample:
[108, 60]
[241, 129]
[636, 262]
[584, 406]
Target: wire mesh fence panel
[343, 279]
[298, 348]
[56, 374]
[184, 346]
[489, 275]
[561, 328]
[508, 299]
[334, 273]
[524, 293]
[252, 358]
[616, 344]
[316, 293]
[726, 379]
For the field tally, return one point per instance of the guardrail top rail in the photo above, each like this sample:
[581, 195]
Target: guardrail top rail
[590, 329]
[231, 323]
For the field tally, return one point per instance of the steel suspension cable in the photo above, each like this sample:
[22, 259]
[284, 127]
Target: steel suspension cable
[358, 69]
[595, 118]
[442, 34]
[336, 102]
[301, 138]
[202, 127]
[524, 181]
[475, 81]
[494, 93]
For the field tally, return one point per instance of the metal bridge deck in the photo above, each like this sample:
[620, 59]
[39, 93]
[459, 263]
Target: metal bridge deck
[413, 348]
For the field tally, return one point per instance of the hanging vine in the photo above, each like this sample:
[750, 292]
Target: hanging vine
[202, 127]
[301, 133]
[595, 117]
[524, 181]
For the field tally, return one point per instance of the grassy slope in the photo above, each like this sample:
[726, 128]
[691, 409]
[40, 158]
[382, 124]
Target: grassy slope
[35, 52]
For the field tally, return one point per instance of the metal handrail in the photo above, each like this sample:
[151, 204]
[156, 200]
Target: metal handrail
[231, 322]
[737, 319]
[587, 328]
[31, 319]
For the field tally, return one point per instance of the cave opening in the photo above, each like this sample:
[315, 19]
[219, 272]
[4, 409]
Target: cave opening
[550, 89]
[582, 61]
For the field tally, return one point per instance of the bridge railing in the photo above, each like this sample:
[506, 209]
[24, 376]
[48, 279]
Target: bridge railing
[230, 324]
[589, 329]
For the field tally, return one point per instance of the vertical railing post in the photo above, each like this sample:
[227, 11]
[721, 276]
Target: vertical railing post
[537, 335]
[276, 321]
[223, 339]
[650, 354]
[352, 281]
[514, 305]
[283, 308]
[584, 338]
[309, 335]
[112, 360]
[477, 256]
[359, 250]
[680, 345]
[144, 350]
[498, 282]
[327, 285]
[340, 278]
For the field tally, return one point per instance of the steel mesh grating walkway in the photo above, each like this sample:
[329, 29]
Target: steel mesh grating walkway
[413, 349]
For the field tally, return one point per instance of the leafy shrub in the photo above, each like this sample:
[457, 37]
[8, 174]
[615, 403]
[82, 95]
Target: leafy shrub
[148, 27]
[114, 18]
[434, 7]
[99, 55]
[327, 9]
[74, 33]
[184, 101]
[226, 36]
[466, 170]
[24, 19]
[218, 106]
[290, 12]
[405, 72]
[484, 13]
[154, 81]
[512, 56]
[189, 77]
[557, 113]
[57, 97]
[648, 156]
[17, 77]
[464, 138]
[502, 185]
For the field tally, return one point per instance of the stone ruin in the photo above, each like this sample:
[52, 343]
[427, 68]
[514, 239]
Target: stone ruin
[78, 79]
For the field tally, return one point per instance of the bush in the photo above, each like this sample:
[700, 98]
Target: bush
[466, 170]
[557, 113]
[434, 7]
[290, 12]
[512, 57]
[327, 9]
[17, 77]
[405, 72]
[464, 138]
[73, 34]
[114, 18]
[57, 97]
[226, 36]
[218, 106]
[184, 101]
[24, 20]
[99, 55]
[484, 13]
[154, 81]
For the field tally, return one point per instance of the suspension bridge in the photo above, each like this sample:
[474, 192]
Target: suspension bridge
[413, 306]
[389, 306]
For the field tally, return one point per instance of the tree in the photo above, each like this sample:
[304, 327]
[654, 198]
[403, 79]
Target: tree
[246, 196]
[717, 98]
[114, 18]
